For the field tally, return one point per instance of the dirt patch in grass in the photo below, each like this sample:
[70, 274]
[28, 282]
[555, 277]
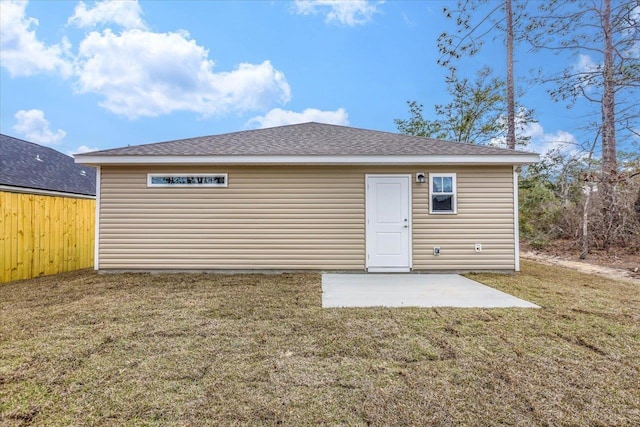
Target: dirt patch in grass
[181, 349]
[618, 263]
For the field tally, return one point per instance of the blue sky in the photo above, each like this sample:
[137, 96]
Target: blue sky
[79, 76]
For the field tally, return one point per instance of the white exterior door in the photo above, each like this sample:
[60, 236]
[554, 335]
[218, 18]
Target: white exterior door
[388, 223]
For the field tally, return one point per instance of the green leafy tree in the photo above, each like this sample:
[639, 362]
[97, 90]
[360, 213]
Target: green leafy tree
[475, 114]
[551, 196]
[417, 125]
[472, 28]
[561, 197]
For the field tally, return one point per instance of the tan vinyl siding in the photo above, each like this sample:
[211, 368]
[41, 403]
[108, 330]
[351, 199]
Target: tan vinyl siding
[267, 218]
[485, 216]
[291, 217]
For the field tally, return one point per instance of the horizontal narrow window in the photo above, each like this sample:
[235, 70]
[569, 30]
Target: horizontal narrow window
[187, 180]
[442, 193]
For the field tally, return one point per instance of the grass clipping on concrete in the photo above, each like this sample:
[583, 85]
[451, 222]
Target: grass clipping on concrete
[187, 349]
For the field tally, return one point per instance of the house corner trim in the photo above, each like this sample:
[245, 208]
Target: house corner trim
[516, 220]
[96, 249]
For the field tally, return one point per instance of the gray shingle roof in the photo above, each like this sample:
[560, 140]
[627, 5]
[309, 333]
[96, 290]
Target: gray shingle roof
[306, 139]
[28, 165]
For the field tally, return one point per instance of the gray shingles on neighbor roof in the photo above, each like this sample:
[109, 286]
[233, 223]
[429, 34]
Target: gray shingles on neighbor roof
[306, 139]
[28, 165]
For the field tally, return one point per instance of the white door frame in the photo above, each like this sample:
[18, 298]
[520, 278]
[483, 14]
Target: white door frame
[409, 220]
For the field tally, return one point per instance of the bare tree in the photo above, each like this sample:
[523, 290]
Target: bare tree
[605, 39]
[588, 191]
[511, 105]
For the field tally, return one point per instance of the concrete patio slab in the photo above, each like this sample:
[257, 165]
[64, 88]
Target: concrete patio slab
[412, 290]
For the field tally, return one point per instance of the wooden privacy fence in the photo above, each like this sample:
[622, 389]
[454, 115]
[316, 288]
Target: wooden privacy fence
[42, 235]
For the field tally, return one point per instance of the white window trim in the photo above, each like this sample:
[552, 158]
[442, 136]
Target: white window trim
[151, 175]
[455, 193]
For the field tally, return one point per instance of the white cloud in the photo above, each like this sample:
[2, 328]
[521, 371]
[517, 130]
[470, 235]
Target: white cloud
[279, 117]
[539, 140]
[542, 142]
[82, 149]
[137, 72]
[585, 64]
[589, 78]
[351, 13]
[34, 127]
[22, 53]
[123, 13]
[141, 73]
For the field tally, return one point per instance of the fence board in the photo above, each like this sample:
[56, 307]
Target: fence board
[13, 215]
[42, 235]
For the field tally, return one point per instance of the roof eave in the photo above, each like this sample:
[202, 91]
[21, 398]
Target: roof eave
[484, 159]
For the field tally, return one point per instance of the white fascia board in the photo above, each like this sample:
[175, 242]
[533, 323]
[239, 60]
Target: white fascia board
[503, 159]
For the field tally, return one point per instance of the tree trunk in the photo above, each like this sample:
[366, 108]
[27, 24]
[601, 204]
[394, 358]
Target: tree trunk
[636, 206]
[609, 155]
[585, 224]
[511, 114]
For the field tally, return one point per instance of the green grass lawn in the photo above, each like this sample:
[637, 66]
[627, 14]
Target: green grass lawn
[182, 349]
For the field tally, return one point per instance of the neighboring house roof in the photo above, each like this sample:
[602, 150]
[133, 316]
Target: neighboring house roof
[305, 143]
[31, 166]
